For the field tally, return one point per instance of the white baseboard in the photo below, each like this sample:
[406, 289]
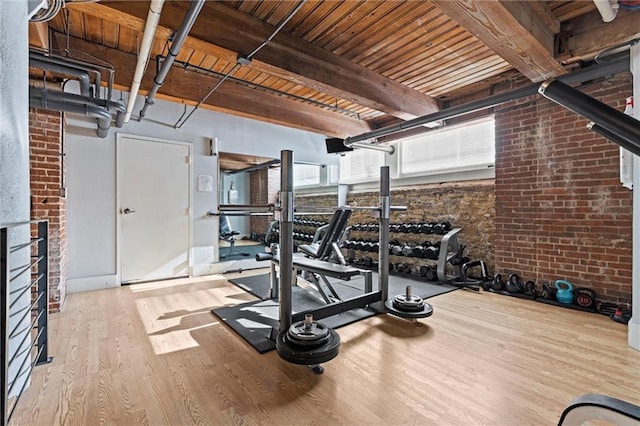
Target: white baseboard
[76, 285]
[634, 333]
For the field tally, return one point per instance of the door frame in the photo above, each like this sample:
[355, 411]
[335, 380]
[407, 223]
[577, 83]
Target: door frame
[119, 139]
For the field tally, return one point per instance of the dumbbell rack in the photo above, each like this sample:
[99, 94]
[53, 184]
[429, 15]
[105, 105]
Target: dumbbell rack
[448, 249]
[309, 228]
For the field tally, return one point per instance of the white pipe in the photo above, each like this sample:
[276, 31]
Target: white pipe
[606, 9]
[385, 148]
[143, 56]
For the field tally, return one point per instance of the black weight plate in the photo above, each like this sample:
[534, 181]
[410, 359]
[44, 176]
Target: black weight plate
[315, 331]
[413, 304]
[308, 356]
[426, 311]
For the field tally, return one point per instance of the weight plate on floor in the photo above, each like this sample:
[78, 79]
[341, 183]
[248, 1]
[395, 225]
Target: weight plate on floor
[306, 355]
[411, 304]
[302, 332]
[426, 311]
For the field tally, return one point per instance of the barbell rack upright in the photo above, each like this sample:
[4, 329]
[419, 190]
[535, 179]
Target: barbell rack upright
[286, 240]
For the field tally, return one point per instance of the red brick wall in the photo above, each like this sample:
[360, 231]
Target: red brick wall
[47, 174]
[561, 212]
[264, 185]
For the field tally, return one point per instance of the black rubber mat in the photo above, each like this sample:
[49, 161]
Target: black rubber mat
[253, 321]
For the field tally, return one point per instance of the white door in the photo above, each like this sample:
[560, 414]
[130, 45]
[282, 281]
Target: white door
[154, 209]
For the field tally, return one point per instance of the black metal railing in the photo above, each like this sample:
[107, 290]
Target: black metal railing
[21, 321]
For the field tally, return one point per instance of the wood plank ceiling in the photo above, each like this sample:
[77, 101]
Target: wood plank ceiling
[340, 67]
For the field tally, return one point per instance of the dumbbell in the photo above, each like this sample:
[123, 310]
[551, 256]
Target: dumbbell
[347, 244]
[358, 244]
[407, 250]
[396, 249]
[425, 228]
[403, 268]
[442, 228]
[418, 251]
[394, 227]
[403, 228]
[432, 252]
[429, 272]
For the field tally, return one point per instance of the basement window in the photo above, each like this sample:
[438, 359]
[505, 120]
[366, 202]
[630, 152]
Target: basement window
[361, 165]
[306, 175]
[461, 148]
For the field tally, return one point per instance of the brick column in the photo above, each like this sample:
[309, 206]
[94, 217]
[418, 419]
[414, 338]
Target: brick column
[47, 200]
[264, 185]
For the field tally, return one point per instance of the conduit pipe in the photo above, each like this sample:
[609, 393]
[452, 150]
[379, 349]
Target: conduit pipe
[242, 60]
[50, 103]
[178, 41]
[606, 9]
[612, 66]
[78, 104]
[81, 75]
[143, 56]
[96, 69]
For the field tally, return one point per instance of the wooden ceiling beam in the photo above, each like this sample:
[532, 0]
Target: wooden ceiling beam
[545, 13]
[39, 35]
[231, 98]
[589, 35]
[286, 56]
[512, 30]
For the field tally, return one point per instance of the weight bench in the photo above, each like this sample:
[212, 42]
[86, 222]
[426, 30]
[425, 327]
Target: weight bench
[321, 268]
[329, 246]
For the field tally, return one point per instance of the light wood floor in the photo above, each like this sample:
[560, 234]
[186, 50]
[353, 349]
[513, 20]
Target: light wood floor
[154, 354]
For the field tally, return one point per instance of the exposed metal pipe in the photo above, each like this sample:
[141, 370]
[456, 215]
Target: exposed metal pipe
[118, 107]
[81, 75]
[613, 66]
[143, 56]
[176, 45]
[375, 147]
[78, 104]
[610, 119]
[242, 60]
[48, 101]
[254, 167]
[98, 70]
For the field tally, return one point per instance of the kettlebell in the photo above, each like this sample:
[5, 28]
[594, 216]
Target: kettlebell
[565, 291]
[497, 283]
[514, 285]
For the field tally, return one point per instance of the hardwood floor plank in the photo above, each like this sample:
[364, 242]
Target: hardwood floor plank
[154, 354]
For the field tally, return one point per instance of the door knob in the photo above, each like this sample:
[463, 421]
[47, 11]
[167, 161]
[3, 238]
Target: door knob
[128, 211]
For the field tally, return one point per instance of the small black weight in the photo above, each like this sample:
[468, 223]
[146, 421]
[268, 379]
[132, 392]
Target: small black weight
[432, 274]
[513, 284]
[408, 302]
[548, 292]
[497, 283]
[585, 297]
[530, 288]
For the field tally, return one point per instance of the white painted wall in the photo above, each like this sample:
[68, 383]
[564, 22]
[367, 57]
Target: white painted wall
[14, 160]
[91, 177]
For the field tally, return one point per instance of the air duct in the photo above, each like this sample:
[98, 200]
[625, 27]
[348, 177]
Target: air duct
[176, 45]
[143, 56]
[626, 128]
